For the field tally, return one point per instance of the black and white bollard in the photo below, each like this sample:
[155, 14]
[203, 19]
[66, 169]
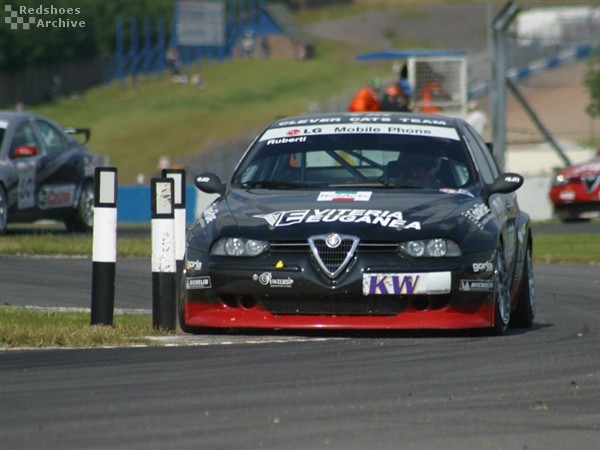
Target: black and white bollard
[104, 251]
[163, 254]
[178, 176]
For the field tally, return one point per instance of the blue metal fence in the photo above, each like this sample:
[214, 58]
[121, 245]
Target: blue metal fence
[147, 50]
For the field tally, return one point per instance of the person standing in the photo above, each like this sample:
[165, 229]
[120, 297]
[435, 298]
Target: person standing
[248, 44]
[366, 98]
[476, 117]
[395, 98]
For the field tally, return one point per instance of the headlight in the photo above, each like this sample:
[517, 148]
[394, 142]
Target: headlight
[431, 248]
[561, 180]
[239, 247]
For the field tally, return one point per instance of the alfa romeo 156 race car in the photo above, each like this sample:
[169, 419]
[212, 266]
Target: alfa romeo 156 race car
[575, 191]
[45, 173]
[361, 221]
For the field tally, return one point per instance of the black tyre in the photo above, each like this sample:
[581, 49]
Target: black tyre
[523, 315]
[82, 219]
[3, 210]
[501, 295]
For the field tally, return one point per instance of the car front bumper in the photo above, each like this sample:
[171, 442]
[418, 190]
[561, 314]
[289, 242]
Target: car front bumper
[290, 292]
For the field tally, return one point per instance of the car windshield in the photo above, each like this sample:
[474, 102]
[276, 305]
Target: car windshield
[373, 160]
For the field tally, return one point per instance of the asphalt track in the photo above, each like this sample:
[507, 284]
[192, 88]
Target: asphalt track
[531, 389]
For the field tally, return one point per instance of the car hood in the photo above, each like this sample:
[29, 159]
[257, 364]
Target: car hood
[580, 170]
[377, 215]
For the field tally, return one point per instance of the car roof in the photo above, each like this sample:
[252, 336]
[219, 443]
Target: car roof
[13, 115]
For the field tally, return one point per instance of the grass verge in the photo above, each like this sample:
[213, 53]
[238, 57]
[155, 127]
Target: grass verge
[566, 248]
[21, 328]
[65, 245]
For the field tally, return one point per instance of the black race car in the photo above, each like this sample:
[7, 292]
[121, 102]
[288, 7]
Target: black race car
[45, 172]
[361, 221]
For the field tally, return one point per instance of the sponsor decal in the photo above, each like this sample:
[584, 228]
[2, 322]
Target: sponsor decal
[483, 267]
[512, 179]
[333, 196]
[26, 184]
[279, 264]
[56, 196]
[266, 279]
[198, 283]
[369, 117]
[208, 215]
[476, 285]
[408, 129]
[431, 283]
[310, 121]
[479, 214]
[192, 267]
[286, 140]
[384, 218]
[456, 191]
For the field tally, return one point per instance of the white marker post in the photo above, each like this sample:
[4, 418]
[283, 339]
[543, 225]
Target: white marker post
[163, 254]
[104, 251]
[178, 176]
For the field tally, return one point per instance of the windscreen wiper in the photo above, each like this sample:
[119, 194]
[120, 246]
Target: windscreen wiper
[398, 184]
[272, 184]
[375, 183]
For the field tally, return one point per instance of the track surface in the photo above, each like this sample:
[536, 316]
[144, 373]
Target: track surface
[533, 389]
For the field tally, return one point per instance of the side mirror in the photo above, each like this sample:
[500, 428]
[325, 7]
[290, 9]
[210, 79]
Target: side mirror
[23, 151]
[506, 183]
[209, 183]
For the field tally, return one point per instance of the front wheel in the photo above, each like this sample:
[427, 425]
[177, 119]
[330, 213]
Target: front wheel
[3, 210]
[82, 219]
[501, 295]
[525, 312]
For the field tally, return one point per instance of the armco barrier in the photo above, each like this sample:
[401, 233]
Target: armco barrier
[133, 204]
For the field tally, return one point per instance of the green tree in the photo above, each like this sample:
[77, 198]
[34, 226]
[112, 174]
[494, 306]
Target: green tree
[53, 45]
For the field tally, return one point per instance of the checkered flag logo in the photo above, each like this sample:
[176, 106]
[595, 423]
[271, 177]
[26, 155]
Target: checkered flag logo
[14, 20]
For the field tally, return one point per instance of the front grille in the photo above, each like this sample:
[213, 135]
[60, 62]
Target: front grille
[333, 258]
[341, 305]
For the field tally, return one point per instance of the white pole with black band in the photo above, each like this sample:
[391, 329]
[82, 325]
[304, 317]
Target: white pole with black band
[179, 203]
[104, 251]
[163, 254]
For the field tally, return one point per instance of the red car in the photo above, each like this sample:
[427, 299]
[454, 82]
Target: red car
[575, 191]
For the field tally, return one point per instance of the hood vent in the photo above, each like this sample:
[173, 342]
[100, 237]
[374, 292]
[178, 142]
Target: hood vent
[333, 252]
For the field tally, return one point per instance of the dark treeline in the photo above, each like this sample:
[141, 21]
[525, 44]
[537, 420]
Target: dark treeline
[48, 45]
[59, 44]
